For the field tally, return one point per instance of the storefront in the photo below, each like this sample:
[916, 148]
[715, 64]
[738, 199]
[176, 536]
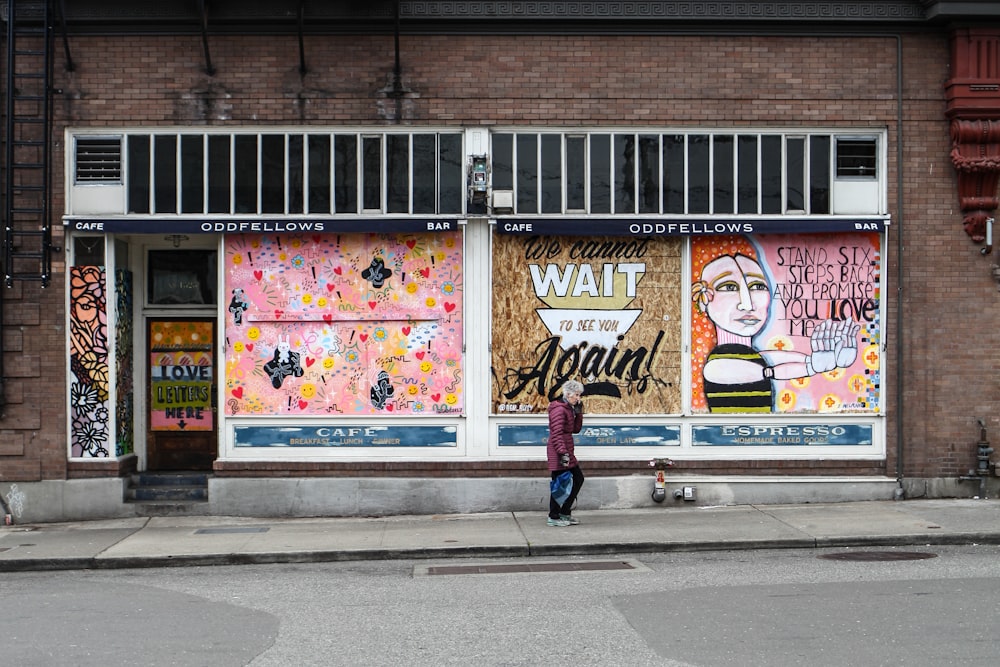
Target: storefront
[715, 309]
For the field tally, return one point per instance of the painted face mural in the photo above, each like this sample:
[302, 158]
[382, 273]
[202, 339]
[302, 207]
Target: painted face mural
[785, 324]
[344, 324]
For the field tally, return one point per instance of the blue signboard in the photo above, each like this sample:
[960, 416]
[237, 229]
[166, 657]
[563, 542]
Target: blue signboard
[521, 435]
[346, 436]
[667, 227]
[786, 435]
[277, 226]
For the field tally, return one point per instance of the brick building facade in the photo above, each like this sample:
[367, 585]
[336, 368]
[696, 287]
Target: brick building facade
[812, 80]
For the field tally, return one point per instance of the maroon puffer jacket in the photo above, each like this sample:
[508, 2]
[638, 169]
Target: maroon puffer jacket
[563, 423]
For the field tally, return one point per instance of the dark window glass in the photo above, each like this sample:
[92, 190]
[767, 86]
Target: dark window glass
[673, 173]
[649, 174]
[600, 173]
[451, 187]
[397, 157]
[819, 174]
[770, 174]
[219, 189]
[796, 161]
[192, 174]
[296, 189]
[723, 195]
[319, 173]
[245, 185]
[178, 277]
[551, 173]
[272, 167]
[624, 173]
[576, 173]
[527, 173]
[371, 173]
[698, 173]
[138, 173]
[88, 250]
[503, 162]
[165, 174]
[345, 176]
[747, 174]
[424, 172]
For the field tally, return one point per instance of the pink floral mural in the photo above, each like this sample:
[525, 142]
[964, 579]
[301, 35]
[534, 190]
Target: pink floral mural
[353, 324]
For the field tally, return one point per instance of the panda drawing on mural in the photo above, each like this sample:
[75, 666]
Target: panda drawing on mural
[284, 363]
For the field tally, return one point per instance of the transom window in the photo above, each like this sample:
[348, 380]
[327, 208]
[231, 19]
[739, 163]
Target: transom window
[613, 173]
[295, 174]
[697, 172]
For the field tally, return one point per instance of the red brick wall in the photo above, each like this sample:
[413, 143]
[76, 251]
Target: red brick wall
[949, 295]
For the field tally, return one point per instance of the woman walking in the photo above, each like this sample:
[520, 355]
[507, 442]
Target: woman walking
[565, 419]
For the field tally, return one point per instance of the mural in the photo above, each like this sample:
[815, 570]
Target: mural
[124, 337]
[786, 323]
[602, 310]
[88, 357]
[180, 375]
[351, 324]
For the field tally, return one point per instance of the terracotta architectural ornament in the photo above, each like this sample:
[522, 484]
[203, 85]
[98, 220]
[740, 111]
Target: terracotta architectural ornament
[973, 93]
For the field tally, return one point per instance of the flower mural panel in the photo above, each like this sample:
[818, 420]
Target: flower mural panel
[89, 367]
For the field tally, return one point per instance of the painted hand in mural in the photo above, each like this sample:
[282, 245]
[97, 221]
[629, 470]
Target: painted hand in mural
[834, 345]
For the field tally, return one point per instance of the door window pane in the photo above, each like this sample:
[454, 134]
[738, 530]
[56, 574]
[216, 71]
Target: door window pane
[180, 277]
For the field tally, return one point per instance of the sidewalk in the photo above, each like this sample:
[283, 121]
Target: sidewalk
[175, 541]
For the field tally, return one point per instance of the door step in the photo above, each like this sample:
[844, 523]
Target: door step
[168, 493]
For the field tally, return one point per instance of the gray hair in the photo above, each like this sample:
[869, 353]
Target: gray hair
[572, 387]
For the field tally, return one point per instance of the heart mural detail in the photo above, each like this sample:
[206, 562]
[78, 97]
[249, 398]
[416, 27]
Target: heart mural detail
[238, 392]
[258, 274]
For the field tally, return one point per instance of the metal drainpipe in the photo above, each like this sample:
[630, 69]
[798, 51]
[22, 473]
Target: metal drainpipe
[899, 493]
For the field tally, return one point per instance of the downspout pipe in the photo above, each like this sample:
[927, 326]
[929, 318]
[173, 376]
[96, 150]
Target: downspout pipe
[900, 492]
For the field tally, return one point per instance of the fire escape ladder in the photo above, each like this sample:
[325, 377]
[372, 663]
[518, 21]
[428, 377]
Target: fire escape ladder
[27, 240]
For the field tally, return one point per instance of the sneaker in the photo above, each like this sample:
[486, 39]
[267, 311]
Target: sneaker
[569, 519]
[559, 523]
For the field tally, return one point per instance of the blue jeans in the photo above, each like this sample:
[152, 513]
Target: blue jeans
[555, 510]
